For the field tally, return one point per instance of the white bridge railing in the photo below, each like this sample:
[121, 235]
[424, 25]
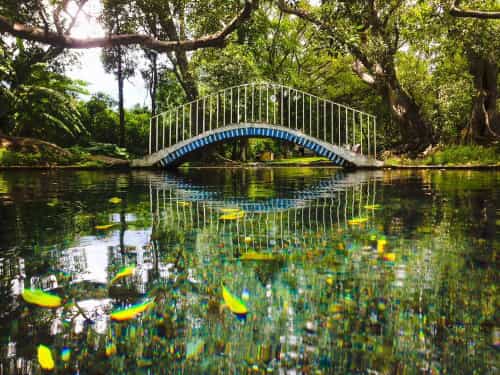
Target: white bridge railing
[271, 104]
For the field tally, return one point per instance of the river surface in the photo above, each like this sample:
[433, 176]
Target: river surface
[326, 272]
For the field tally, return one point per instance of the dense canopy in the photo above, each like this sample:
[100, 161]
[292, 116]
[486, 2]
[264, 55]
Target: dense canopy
[427, 69]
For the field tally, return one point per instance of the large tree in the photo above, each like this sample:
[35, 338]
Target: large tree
[371, 32]
[443, 38]
[117, 18]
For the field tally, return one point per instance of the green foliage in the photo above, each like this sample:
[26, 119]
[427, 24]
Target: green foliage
[102, 122]
[39, 158]
[106, 149]
[35, 100]
[99, 118]
[465, 155]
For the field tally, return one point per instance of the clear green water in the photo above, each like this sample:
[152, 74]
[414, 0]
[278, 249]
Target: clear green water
[408, 288]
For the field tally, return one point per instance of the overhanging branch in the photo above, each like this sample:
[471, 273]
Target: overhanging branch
[457, 11]
[299, 12]
[59, 39]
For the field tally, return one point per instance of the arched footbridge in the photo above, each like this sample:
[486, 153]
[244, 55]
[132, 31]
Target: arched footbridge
[346, 136]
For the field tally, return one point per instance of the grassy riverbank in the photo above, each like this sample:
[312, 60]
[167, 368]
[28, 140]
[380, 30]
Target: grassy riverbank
[449, 156]
[32, 153]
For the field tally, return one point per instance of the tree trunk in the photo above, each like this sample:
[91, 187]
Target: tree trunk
[415, 132]
[243, 149]
[234, 152]
[120, 100]
[484, 122]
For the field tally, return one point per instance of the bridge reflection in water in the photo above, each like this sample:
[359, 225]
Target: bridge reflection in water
[317, 210]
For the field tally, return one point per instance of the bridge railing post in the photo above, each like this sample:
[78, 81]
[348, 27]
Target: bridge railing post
[267, 103]
[150, 123]
[324, 120]
[170, 129]
[156, 133]
[163, 130]
[281, 112]
[369, 138]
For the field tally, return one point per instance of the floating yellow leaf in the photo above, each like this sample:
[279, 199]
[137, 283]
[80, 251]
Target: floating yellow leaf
[104, 227]
[357, 220]
[372, 206]
[253, 255]
[115, 200]
[124, 272]
[45, 358]
[336, 308]
[184, 203]
[381, 245]
[132, 311]
[233, 216]
[40, 298]
[236, 305]
[389, 257]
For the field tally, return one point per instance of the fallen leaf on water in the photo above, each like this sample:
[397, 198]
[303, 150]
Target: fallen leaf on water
[389, 257]
[40, 298]
[357, 220]
[45, 358]
[104, 227]
[233, 216]
[124, 272]
[132, 311]
[236, 305]
[253, 255]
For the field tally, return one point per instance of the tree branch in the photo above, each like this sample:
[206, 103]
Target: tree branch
[457, 11]
[362, 73]
[299, 12]
[59, 39]
[304, 14]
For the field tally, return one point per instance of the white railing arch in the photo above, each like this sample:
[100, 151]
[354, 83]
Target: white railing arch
[266, 103]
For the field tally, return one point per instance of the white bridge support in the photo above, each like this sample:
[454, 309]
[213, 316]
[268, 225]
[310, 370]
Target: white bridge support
[345, 135]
